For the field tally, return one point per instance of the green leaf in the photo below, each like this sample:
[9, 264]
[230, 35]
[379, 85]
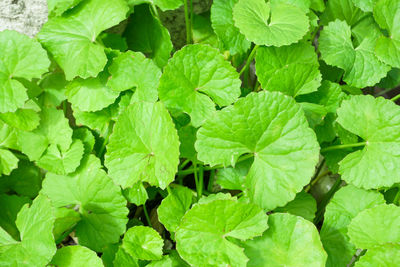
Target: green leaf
[303, 205]
[71, 39]
[343, 10]
[170, 260]
[132, 69]
[8, 161]
[101, 204]
[196, 76]
[58, 7]
[285, 149]
[10, 205]
[66, 219]
[387, 49]
[21, 58]
[378, 225]
[143, 147]
[272, 24]
[76, 256]
[362, 68]
[123, 259]
[365, 5]
[202, 239]
[380, 256]
[377, 121]
[143, 243]
[289, 241]
[339, 212]
[292, 69]
[187, 138]
[37, 246]
[90, 95]
[234, 178]
[62, 162]
[145, 33]
[25, 118]
[168, 4]
[174, 206]
[223, 25]
[137, 194]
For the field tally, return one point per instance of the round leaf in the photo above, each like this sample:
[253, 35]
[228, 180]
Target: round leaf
[143, 243]
[273, 128]
[76, 256]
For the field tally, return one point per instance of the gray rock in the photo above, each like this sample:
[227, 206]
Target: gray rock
[25, 16]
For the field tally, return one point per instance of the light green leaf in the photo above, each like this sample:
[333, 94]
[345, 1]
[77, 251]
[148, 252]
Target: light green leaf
[380, 256]
[25, 118]
[339, 212]
[71, 39]
[343, 10]
[292, 69]
[234, 178]
[223, 25]
[386, 13]
[273, 128]
[66, 219]
[365, 5]
[58, 7]
[143, 147]
[143, 243]
[303, 205]
[378, 225]
[289, 241]
[8, 161]
[196, 76]
[37, 246]
[362, 68]
[101, 204]
[145, 33]
[53, 86]
[136, 194]
[123, 259]
[170, 260]
[10, 205]
[62, 162]
[20, 57]
[90, 95]
[272, 24]
[174, 206]
[76, 256]
[202, 237]
[377, 121]
[132, 70]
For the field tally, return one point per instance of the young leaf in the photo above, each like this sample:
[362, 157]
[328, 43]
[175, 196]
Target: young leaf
[101, 204]
[223, 25]
[386, 14]
[196, 76]
[37, 246]
[143, 147]
[376, 226]
[272, 24]
[377, 121]
[143, 242]
[338, 215]
[76, 256]
[287, 238]
[292, 70]
[21, 58]
[137, 194]
[273, 128]
[202, 237]
[174, 206]
[362, 68]
[71, 39]
[133, 70]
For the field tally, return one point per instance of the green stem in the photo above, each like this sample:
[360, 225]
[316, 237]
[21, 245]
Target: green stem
[395, 98]
[201, 182]
[397, 197]
[196, 179]
[249, 60]
[192, 170]
[183, 165]
[64, 106]
[316, 175]
[325, 201]
[154, 10]
[336, 147]
[146, 214]
[211, 181]
[315, 33]
[169, 190]
[385, 91]
[187, 22]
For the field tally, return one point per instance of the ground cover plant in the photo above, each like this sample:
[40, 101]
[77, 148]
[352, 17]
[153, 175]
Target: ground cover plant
[271, 138]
